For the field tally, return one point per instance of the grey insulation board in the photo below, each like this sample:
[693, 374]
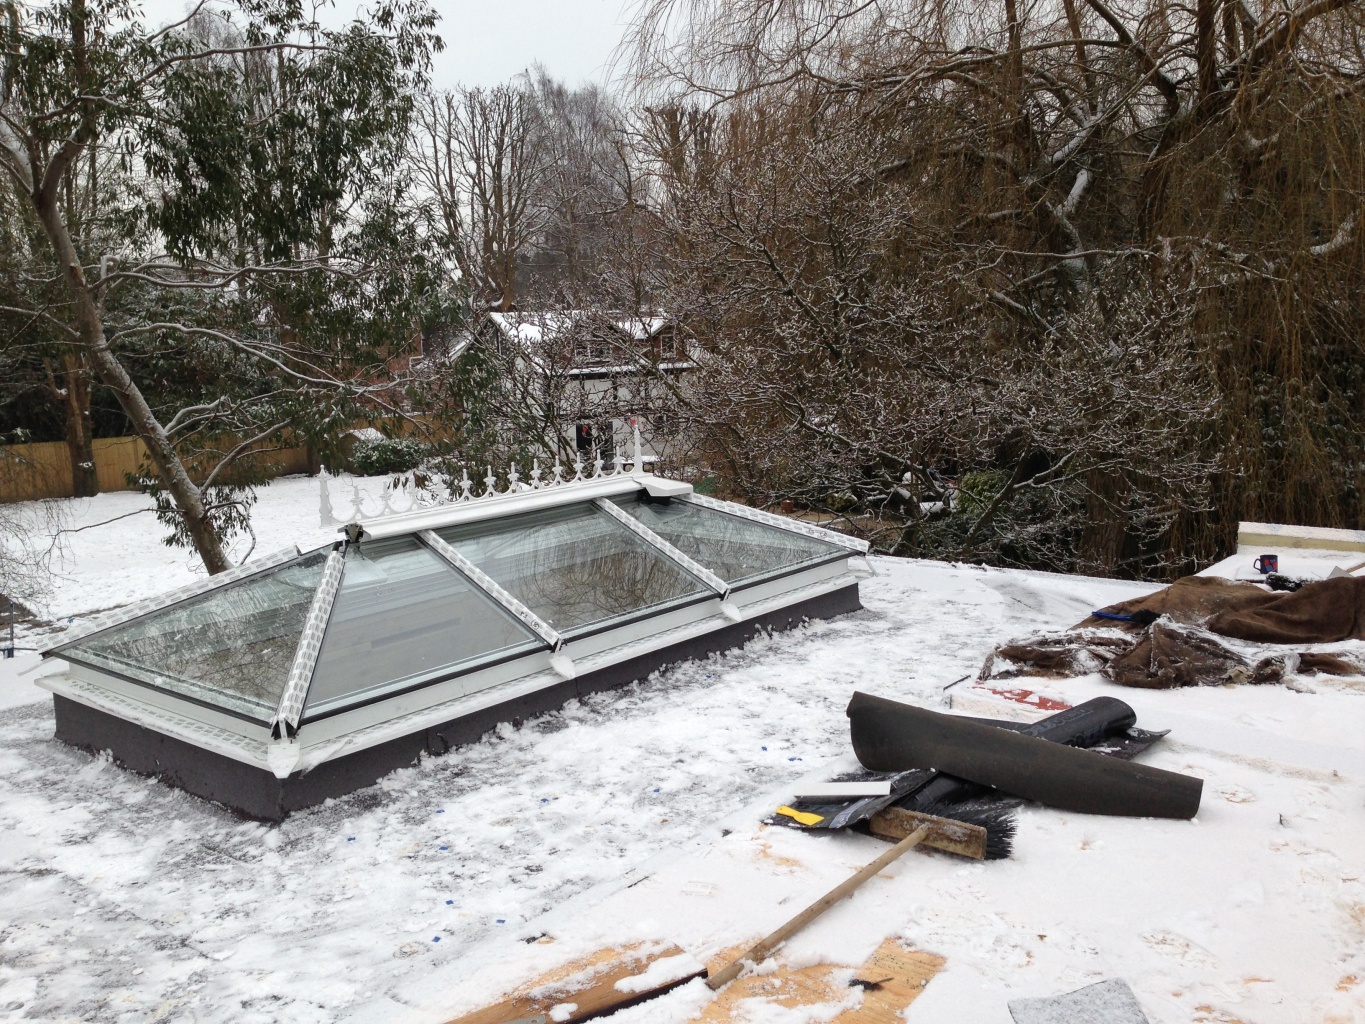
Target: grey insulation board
[1106, 1002]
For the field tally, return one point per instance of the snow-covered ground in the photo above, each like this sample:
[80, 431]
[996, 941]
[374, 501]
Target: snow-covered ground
[123, 899]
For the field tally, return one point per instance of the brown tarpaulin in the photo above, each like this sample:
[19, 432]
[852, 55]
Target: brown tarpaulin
[1317, 613]
[1182, 647]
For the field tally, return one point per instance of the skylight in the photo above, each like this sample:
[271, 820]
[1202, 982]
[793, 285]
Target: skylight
[230, 648]
[737, 550]
[311, 673]
[575, 567]
[403, 617]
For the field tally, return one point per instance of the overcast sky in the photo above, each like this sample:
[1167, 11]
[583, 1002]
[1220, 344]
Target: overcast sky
[489, 41]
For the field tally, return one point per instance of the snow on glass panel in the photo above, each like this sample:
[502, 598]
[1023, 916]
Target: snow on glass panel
[231, 647]
[574, 566]
[402, 617]
[737, 550]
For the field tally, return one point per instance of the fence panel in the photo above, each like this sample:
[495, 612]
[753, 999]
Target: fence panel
[29, 472]
[40, 470]
[115, 457]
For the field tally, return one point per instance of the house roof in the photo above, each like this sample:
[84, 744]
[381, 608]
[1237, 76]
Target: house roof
[634, 817]
[532, 328]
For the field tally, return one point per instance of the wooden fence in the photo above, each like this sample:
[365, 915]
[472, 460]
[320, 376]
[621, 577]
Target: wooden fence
[32, 471]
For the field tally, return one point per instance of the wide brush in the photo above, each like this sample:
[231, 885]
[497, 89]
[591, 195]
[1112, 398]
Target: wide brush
[992, 816]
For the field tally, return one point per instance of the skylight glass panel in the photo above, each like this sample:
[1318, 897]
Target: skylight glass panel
[231, 648]
[403, 617]
[735, 549]
[574, 566]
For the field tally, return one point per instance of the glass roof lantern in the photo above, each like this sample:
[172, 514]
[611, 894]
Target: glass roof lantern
[305, 674]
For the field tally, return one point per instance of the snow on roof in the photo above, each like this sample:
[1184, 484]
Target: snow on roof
[530, 328]
[413, 900]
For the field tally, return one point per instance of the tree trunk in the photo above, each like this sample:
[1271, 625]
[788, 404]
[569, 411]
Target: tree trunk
[1206, 48]
[1106, 527]
[80, 441]
[187, 497]
[70, 386]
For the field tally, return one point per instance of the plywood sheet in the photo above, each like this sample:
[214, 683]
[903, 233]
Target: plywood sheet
[590, 985]
[890, 980]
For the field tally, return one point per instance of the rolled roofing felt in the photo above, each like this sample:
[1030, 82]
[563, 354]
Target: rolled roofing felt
[1095, 721]
[889, 736]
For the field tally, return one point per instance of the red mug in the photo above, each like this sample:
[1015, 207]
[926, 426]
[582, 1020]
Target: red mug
[1267, 564]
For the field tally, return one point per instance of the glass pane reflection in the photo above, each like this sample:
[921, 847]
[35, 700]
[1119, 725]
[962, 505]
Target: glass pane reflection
[402, 613]
[574, 566]
[737, 550]
[231, 647]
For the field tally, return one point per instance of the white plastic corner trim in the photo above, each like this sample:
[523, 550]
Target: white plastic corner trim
[490, 586]
[668, 550]
[282, 757]
[757, 515]
[128, 612]
[310, 642]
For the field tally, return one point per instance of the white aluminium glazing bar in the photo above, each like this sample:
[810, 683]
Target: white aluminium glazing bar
[490, 586]
[290, 710]
[654, 540]
[781, 522]
[132, 611]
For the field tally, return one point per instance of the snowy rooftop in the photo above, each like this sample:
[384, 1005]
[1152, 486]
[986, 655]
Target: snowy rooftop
[530, 328]
[634, 816]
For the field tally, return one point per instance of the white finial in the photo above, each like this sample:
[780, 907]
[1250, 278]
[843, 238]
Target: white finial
[466, 487]
[513, 479]
[535, 474]
[324, 500]
[491, 481]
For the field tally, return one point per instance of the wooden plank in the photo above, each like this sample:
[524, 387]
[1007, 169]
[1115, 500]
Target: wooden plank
[601, 983]
[890, 980]
[944, 834]
[1274, 536]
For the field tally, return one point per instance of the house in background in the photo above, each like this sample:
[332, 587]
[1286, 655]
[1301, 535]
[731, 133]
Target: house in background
[586, 378]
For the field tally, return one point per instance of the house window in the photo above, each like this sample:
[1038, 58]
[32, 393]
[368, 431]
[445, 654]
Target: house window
[592, 348]
[666, 346]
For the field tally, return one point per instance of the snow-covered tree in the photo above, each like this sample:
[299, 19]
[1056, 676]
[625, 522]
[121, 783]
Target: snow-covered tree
[1096, 256]
[263, 273]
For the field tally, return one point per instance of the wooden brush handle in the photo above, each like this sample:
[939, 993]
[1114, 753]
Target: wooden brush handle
[761, 950]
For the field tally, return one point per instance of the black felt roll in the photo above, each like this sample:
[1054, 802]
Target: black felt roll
[889, 736]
